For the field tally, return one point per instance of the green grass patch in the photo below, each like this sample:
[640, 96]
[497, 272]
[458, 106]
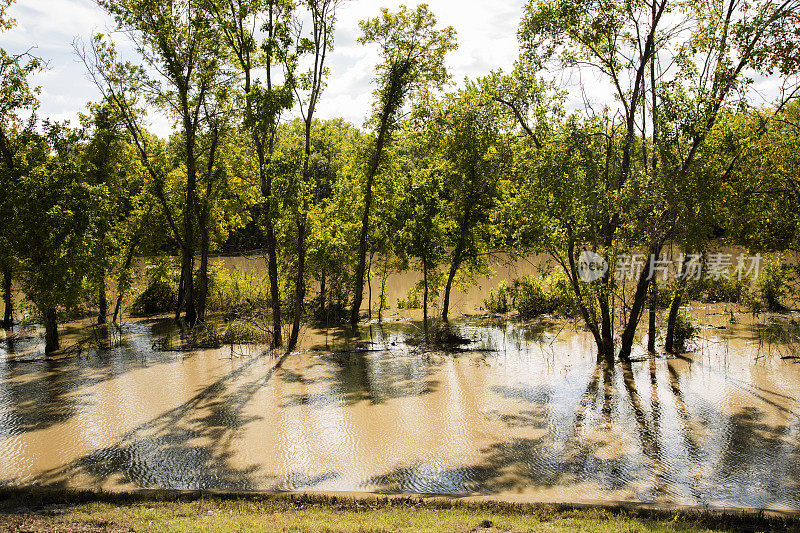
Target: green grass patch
[63, 510]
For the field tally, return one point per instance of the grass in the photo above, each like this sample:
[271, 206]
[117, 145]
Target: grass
[62, 510]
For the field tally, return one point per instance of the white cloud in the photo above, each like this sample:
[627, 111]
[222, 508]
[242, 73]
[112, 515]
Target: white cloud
[486, 36]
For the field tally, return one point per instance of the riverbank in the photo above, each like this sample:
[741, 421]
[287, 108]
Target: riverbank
[43, 509]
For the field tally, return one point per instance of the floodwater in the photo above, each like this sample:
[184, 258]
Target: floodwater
[522, 412]
[464, 300]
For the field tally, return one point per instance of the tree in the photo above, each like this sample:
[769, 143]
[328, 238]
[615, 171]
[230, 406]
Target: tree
[762, 192]
[308, 88]
[16, 96]
[332, 228]
[422, 237]
[113, 164]
[412, 57]
[264, 101]
[636, 208]
[60, 223]
[466, 130]
[176, 40]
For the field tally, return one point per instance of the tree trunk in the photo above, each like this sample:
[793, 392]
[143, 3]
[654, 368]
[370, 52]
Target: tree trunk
[275, 295]
[639, 298]
[425, 299]
[358, 295]
[300, 286]
[8, 299]
[605, 351]
[102, 312]
[120, 289]
[189, 302]
[202, 290]
[651, 323]
[454, 266]
[322, 291]
[369, 288]
[272, 242]
[181, 293]
[189, 213]
[606, 348]
[458, 255]
[358, 290]
[675, 305]
[51, 343]
[382, 297]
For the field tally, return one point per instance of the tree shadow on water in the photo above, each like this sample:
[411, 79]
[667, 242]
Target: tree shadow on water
[36, 394]
[191, 446]
[378, 377]
[661, 450]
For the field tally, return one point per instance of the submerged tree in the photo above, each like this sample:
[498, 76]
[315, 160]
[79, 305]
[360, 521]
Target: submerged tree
[16, 96]
[112, 164]
[61, 224]
[412, 52]
[468, 133]
[630, 206]
[264, 100]
[421, 238]
[308, 88]
[177, 41]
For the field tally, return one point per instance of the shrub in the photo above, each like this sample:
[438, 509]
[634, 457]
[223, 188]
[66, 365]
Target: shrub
[244, 332]
[562, 295]
[234, 294]
[665, 292]
[772, 287]
[533, 296]
[499, 302]
[724, 289]
[161, 292]
[413, 299]
[685, 333]
[530, 298]
[230, 292]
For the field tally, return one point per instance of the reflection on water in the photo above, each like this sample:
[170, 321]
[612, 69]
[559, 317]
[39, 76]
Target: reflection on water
[523, 411]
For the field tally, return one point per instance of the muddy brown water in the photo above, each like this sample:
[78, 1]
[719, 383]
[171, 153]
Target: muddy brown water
[523, 411]
[465, 299]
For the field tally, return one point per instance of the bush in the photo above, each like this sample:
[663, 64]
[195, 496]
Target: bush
[725, 289]
[563, 297]
[533, 296]
[530, 298]
[665, 292]
[499, 302]
[234, 294]
[161, 292]
[685, 333]
[244, 332]
[230, 292]
[413, 299]
[771, 287]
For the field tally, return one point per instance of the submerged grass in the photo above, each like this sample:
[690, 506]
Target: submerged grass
[64, 510]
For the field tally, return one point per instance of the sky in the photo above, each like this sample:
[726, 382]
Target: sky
[486, 37]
